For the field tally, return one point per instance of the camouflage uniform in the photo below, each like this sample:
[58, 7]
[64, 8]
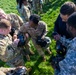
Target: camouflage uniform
[9, 52]
[34, 33]
[3, 70]
[68, 65]
[21, 70]
[24, 12]
[15, 20]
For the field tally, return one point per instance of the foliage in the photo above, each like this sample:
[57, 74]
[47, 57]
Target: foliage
[50, 13]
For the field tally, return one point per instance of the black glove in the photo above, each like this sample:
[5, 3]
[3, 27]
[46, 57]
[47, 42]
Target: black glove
[22, 40]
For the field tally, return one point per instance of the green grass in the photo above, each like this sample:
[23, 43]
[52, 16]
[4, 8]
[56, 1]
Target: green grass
[50, 13]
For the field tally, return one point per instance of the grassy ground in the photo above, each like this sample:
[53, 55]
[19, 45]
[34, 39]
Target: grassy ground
[51, 11]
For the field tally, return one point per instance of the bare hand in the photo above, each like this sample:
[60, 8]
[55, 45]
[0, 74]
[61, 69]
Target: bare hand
[27, 35]
[57, 37]
[14, 37]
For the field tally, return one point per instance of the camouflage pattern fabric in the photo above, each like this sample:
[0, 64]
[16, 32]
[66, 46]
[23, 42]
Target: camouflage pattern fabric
[15, 20]
[9, 52]
[24, 12]
[68, 65]
[34, 33]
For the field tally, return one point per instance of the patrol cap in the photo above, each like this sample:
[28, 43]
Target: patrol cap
[2, 14]
[4, 23]
[35, 18]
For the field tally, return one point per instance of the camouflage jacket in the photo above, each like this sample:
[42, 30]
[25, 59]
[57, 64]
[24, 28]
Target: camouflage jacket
[8, 50]
[24, 12]
[68, 65]
[15, 20]
[34, 33]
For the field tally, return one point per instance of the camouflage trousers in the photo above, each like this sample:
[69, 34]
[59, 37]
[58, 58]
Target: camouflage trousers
[39, 48]
[17, 61]
[43, 48]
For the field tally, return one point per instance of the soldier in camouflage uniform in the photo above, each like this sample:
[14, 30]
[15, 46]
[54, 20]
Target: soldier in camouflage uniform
[15, 20]
[68, 64]
[33, 29]
[9, 52]
[24, 10]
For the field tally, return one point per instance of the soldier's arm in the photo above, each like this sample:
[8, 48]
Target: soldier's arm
[67, 66]
[5, 70]
[65, 41]
[44, 29]
[23, 28]
[2, 49]
[20, 20]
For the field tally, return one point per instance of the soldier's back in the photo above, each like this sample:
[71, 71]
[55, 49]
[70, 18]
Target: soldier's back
[15, 20]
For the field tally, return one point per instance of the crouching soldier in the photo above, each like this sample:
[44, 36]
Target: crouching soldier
[21, 70]
[9, 52]
[36, 30]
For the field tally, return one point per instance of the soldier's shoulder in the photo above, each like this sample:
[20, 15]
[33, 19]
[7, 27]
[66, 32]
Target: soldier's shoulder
[12, 15]
[42, 23]
[26, 24]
